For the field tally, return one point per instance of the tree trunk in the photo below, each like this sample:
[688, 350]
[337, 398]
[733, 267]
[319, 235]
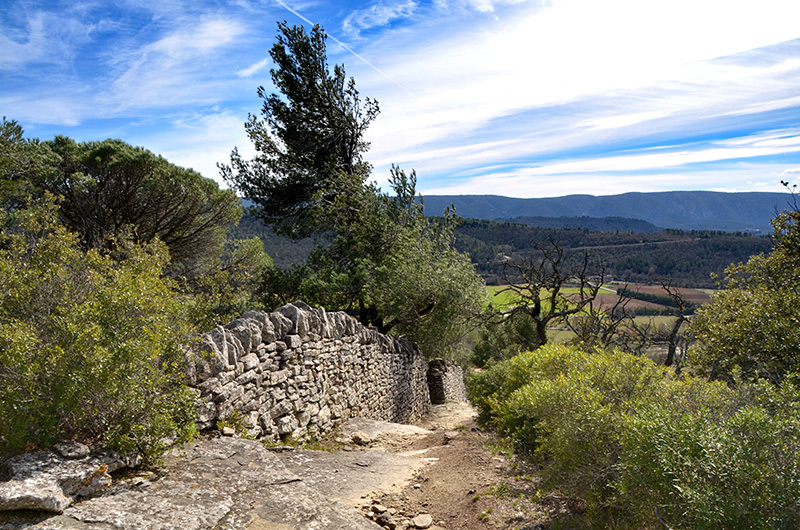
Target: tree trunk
[673, 340]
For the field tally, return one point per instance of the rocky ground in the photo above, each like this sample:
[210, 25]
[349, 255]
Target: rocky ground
[445, 473]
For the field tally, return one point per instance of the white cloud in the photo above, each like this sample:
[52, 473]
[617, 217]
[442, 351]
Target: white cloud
[43, 38]
[377, 15]
[253, 68]
[524, 183]
[200, 141]
[791, 174]
[617, 121]
[653, 65]
[483, 6]
[176, 69]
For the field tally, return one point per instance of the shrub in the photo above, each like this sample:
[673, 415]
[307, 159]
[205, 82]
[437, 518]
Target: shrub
[752, 325]
[564, 407]
[712, 457]
[91, 342]
[645, 448]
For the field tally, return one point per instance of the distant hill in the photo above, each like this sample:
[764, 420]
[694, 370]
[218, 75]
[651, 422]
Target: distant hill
[685, 210]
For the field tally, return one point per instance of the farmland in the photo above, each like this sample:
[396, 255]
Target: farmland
[502, 298]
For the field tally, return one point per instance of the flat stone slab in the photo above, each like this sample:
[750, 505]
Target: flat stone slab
[51, 481]
[380, 429]
[349, 476]
[222, 483]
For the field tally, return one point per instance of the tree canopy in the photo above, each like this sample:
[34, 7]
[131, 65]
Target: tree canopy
[111, 187]
[753, 325]
[386, 262]
[309, 137]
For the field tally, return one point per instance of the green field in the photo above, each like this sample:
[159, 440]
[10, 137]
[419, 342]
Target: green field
[501, 299]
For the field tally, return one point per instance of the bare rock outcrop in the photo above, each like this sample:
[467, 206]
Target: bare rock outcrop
[51, 481]
[221, 483]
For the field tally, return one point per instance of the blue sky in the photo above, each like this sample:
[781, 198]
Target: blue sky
[535, 98]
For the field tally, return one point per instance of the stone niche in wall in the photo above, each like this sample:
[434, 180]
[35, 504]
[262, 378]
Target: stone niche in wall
[300, 371]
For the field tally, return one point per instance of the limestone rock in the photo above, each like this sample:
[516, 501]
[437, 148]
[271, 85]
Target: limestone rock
[386, 521]
[361, 438]
[222, 483]
[423, 520]
[72, 450]
[45, 481]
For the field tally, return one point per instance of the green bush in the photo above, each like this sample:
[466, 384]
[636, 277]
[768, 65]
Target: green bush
[91, 342]
[712, 457]
[565, 407]
[645, 448]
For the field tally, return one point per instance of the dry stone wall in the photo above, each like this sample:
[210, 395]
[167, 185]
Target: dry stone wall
[300, 372]
[446, 382]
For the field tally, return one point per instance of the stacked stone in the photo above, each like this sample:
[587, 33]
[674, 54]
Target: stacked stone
[455, 391]
[300, 371]
[446, 382]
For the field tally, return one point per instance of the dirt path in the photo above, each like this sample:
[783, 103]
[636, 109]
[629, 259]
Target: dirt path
[462, 480]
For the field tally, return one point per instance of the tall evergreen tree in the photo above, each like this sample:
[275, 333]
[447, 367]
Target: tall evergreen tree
[309, 138]
[385, 261]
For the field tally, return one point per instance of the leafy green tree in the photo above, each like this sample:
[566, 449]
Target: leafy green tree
[309, 139]
[417, 284]
[503, 341]
[753, 325]
[111, 188]
[231, 287]
[386, 262]
[396, 269]
[22, 163]
[91, 345]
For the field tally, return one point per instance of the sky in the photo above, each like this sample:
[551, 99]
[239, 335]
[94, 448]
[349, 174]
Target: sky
[523, 98]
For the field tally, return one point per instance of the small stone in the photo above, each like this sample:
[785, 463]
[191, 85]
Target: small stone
[386, 521]
[71, 450]
[361, 438]
[423, 520]
[228, 431]
[450, 436]
[379, 508]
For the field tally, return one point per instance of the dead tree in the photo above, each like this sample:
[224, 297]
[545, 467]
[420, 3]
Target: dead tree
[675, 338]
[609, 325]
[538, 283]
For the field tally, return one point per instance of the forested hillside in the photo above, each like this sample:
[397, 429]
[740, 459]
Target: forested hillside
[600, 224]
[688, 257]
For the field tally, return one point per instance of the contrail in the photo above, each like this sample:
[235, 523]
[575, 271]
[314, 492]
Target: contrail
[343, 45]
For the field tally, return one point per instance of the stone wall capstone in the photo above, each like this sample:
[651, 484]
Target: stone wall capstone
[300, 372]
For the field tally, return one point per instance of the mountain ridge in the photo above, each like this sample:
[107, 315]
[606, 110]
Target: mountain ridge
[685, 210]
